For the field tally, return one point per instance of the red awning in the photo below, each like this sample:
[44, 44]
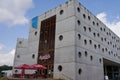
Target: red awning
[38, 66]
[23, 66]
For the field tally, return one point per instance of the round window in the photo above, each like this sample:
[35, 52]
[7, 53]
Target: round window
[86, 53]
[20, 42]
[60, 68]
[61, 12]
[78, 9]
[60, 37]
[100, 60]
[79, 36]
[35, 32]
[78, 22]
[33, 56]
[91, 58]
[79, 71]
[79, 54]
[18, 56]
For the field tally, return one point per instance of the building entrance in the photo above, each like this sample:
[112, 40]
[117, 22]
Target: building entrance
[111, 70]
[46, 46]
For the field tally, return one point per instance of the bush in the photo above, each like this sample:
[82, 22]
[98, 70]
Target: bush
[4, 78]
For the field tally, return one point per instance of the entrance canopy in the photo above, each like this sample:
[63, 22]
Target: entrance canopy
[25, 66]
[109, 62]
[38, 66]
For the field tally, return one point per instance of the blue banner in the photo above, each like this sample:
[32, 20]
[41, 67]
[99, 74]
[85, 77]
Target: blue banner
[35, 22]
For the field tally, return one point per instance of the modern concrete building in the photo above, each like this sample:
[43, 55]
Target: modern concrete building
[72, 43]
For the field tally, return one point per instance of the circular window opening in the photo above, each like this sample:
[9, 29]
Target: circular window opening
[86, 53]
[89, 29]
[109, 52]
[78, 22]
[60, 37]
[16, 71]
[99, 46]
[97, 24]
[20, 42]
[79, 53]
[93, 23]
[60, 68]
[85, 42]
[91, 58]
[18, 56]
[84, 28]
[84, 16]
[33, 56]
[35, 32]
[90, 41]
[61, 12]
[88, 17]
[98, 35]
[94, 34]
[101, 28]
[79, 71]
[95, 46]
[79, 36]
[102, 49]
[78, 9]
[100, 60]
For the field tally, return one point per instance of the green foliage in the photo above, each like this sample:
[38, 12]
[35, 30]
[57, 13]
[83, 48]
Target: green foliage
[4, 67]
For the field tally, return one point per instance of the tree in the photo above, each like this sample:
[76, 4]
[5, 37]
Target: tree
[4, 67]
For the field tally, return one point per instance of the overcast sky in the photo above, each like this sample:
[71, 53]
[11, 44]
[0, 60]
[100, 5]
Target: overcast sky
[16, 14]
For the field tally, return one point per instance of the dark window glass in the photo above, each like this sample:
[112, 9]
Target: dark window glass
[60, 37]
[60, 68]
[84, 16]
[88, 17]
[95, 46]
[84, 28]
[33, 56]
[79, 71]
[101, 38]
[89, 29]
[35, 32]
[85, 41]
[79, 53]
[98, 34]
[78, 22]
[86, 53]
[78, 9]
[98, 45]
[20, 42]
[91, 58]
[93, 23]
[100, 60]
[79, 36]
[18, 56]
[90, 41]
[102, 49]
[101, 28]
[97, 24]
[94, 34]
[61, 12]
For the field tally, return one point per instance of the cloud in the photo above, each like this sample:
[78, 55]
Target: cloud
[2, 47]
[114, 26]
[7, 58]
[14, 11]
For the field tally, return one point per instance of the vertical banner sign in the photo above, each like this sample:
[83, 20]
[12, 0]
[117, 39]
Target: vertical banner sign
[35, 22]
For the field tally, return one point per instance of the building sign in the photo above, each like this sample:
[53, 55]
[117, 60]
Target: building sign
[45, 57]
[35, 22]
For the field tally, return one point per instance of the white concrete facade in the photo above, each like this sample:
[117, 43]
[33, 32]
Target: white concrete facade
[86, 42]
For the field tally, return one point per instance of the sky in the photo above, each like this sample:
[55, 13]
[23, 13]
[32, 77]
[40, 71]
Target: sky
[16, 14]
